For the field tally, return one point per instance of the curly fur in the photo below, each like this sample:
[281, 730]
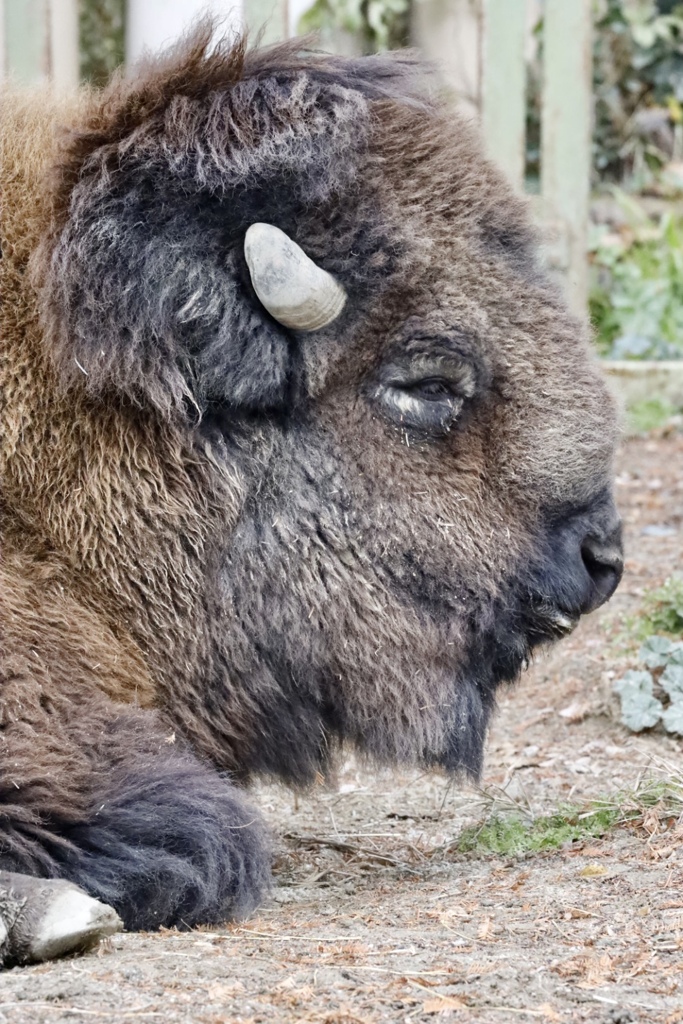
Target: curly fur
[212, 530]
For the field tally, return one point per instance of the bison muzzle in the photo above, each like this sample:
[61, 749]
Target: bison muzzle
[300, 448]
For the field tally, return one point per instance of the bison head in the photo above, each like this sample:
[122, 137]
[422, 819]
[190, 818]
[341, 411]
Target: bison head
[304, 270]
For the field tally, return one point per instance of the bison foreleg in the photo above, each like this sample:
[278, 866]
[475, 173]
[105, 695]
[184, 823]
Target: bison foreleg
[41, 919]
[94, 794]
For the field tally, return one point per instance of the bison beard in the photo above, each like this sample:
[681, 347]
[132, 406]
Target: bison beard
[230, 545]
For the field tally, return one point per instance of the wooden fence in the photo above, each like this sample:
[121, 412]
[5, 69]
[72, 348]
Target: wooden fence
[482, 46]
[39, 40]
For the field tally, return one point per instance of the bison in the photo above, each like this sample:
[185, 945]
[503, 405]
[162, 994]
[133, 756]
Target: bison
[300, 448]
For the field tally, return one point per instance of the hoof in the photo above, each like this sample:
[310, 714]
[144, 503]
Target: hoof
[44, 919]
[72, 921]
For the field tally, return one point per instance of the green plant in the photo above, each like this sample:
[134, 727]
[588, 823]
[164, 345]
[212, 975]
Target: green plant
[636, 298]
[377, 24]
[649, 414]
[638, 86]
[663, 609]
[101, 28]
[637, 89]
[518, 832]
[655, 693]
[512, 835]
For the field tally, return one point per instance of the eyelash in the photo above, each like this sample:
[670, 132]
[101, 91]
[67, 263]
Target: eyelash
[432, 413]
[433, 389]
[426, 392]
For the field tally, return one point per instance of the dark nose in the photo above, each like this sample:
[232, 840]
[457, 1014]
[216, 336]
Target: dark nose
[603, 560]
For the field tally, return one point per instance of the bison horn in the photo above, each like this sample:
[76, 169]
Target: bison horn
[294, 290]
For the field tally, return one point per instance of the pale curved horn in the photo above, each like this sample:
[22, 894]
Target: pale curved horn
[294, 290]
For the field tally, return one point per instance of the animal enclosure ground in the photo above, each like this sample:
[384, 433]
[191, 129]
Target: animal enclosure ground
[378, 916]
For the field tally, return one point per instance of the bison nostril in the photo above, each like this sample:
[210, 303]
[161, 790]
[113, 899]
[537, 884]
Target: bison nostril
[604, 564]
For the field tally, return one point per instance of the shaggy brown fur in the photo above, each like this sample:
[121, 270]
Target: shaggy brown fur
[225, 547]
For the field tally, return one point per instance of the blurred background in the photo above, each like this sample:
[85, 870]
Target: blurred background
[580, 101]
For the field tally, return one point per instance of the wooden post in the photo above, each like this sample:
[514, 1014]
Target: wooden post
[448, 32]
[26, 34]
[271, 17]
[64, 43]
[566, 140]
[3, 50]
[504, 85]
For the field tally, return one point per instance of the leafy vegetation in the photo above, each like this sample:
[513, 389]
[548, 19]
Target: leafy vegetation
[512, 835]
[517, 833]
[636, 299]
[650, 414]
[375, 24]
[655, 693]
[638, 90]
[101, 27]
[638, 85]
[662, 610]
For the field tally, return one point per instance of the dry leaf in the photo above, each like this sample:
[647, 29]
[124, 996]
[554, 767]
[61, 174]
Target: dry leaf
[354, 949]
[343, 1016]
[576, 912]
[593, 871]
[439, 1003]
[549, 1013]
[571, 968]
[575, 712]
[485, 929]
[520, 879]
[651, 819]
[598, 971]
[294, 997]
[479, 968]
[220, 990]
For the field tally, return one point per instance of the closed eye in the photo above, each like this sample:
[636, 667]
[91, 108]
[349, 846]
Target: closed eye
[428, 402]
[429, 405]
[433, 389]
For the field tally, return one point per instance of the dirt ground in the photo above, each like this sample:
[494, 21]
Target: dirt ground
[374, 918]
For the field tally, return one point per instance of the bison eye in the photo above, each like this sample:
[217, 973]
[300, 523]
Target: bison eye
[433, 389]
[426, 402]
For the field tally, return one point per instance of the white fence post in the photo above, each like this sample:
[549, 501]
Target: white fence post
[504, 85]
[566, 139]
[3, 42]
[39, 41]
[64, 44]
[27, 52]
[449, 33]
[270, 18]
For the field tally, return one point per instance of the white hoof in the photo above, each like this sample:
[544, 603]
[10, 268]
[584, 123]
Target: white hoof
[72, 921]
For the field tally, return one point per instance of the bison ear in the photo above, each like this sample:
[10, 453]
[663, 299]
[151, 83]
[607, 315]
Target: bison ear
[149, 301]
[144, 281]
[295, 291]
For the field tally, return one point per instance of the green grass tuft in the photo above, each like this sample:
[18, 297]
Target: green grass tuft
[662, 610]
[636, 299]
[660, 614]
[516, 833]
[511, 835]
[649, 414]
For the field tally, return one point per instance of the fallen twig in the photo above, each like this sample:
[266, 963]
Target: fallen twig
[356, 851]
